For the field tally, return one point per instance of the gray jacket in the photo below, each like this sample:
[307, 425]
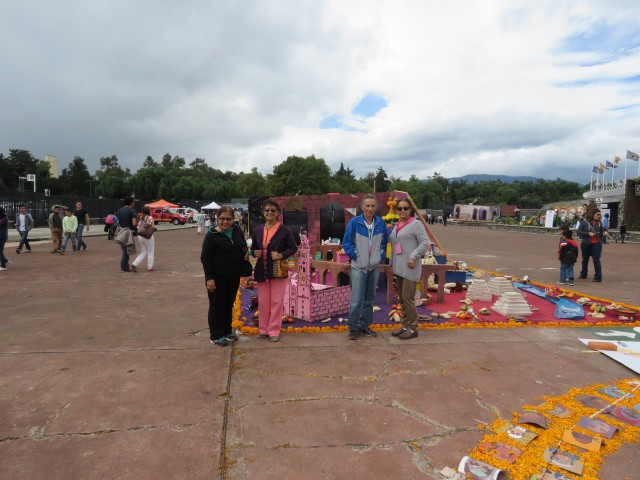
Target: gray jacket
[414, 243]
[28, 222]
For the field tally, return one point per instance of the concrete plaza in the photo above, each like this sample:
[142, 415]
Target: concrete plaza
[108, 375]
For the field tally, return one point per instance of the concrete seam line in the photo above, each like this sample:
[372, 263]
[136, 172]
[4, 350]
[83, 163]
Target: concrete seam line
[225, 417]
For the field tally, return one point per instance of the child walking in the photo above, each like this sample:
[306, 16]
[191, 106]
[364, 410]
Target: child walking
[568, 255]
[69, 227]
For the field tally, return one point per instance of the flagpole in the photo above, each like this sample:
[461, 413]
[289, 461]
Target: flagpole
[602, 181]
[613, 172]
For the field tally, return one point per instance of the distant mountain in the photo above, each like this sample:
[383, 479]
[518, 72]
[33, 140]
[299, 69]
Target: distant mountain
[481, 177]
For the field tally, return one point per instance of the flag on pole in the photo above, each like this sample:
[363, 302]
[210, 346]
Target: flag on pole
[601, 169]
[595, 170]
[610, 165]
[632, 156]
[616, 160]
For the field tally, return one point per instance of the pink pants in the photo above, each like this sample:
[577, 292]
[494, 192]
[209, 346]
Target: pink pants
[270, 300]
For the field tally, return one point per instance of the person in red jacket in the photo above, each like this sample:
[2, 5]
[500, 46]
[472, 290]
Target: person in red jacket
[568, 255]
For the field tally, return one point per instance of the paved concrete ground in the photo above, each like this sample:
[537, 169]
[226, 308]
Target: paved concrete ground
[110, 375]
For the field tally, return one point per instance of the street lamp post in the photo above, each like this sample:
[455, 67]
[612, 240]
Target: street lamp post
[89, 187]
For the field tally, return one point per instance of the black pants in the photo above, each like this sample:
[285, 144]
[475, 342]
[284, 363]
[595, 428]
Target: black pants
[221, 306]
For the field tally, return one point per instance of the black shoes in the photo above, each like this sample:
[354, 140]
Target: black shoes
[596, 280]
[368, 332]
[408, 334]
[353, 335]
[397, 333]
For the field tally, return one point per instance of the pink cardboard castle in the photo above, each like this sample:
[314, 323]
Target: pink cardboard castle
[311, 301]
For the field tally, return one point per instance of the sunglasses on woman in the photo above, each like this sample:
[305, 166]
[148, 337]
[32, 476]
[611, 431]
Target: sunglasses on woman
[403, 208]
[270, 210]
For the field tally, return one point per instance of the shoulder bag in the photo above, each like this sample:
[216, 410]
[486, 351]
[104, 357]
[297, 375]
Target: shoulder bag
[145, 230]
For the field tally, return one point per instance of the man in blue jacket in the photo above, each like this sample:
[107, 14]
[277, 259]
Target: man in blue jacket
[365, 242]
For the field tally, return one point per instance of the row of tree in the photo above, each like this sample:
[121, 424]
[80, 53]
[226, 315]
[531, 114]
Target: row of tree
[173, 179]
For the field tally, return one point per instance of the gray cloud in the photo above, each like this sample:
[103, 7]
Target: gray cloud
[247, 83]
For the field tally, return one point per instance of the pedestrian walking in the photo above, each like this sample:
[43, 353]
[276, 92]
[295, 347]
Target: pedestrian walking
[24, 224]
[55, 225]
[623, 232]
[69, 229]
[200, 221]
[365, 242]
[84, 221]
[146, 223]
[127, 221]
[110, 225]
[4, 234]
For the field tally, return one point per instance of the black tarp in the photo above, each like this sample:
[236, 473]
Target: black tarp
[332, 222]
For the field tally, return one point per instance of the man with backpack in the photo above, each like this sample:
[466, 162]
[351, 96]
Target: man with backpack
[110, 225]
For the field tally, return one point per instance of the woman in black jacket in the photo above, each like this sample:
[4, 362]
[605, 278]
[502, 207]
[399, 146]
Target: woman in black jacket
[223, 252]
[271, 242]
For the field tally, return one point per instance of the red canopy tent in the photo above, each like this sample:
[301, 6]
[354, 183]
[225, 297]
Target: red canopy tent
[162, 203]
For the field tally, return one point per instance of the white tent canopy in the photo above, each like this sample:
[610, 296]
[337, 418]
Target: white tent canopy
[211, 206]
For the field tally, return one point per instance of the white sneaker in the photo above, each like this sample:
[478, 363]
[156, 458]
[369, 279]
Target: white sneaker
[3, 268]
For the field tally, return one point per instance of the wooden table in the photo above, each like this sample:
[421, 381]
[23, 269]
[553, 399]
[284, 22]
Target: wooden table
[335, 268]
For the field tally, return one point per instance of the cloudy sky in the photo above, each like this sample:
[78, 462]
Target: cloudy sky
[545, 88]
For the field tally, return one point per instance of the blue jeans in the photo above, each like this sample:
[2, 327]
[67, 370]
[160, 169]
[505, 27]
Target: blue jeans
[79, 236]
[65, 239]
[124, 260]
[363, 294]
[566, 272]
[24, 241]
[593, 250]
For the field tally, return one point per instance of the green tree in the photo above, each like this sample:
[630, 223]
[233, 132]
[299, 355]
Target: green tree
[251, 184]
[220, 190]
[5, 173]
[112, 180]
[414, 187]
[382, 181]
[300, 176]
[149, 162]
[183, 188]
[19, 164]
[145, 182]
[75, 178]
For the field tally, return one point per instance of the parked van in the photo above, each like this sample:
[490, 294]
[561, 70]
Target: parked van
[191, 214]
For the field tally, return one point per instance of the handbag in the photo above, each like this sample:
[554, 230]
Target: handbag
[145, 230]
[247, 269]
[281, 268]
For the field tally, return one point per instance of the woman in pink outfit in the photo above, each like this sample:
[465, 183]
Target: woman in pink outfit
[271, 241]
